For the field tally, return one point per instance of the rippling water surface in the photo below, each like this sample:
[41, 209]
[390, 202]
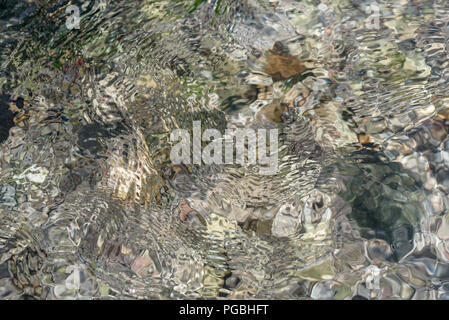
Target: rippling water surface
[91, 205]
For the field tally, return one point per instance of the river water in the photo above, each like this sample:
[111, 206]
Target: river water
[93, 207]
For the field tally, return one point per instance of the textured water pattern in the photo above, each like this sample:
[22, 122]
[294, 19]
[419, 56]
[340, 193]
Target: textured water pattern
[92, 207]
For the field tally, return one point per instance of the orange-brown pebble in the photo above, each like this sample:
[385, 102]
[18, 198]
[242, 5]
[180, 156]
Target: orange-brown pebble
[272, 112]
[184, 209]
[364, 138]
[283, 67]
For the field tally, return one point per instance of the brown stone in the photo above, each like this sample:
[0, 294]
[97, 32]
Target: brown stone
[272, 112]
[364, 138]
[140, 264]
[443, 114]
[283, 67]
[184, 209]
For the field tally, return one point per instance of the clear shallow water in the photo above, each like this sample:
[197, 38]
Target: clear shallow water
[92, 207]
